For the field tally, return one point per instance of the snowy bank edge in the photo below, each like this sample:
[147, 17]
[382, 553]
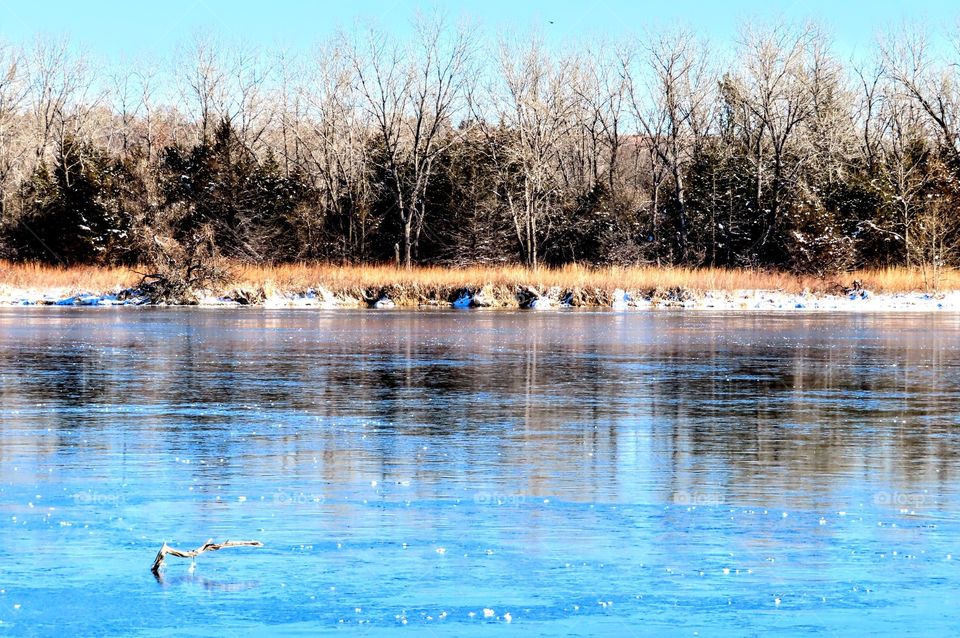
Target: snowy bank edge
[527, 298]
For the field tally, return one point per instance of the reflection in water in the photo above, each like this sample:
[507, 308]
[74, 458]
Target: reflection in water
[190, 579]
[555, 457]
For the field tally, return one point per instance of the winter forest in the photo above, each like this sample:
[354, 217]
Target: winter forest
[457, 147]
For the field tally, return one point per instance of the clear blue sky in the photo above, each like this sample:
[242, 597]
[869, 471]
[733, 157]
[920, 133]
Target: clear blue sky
[131, 27]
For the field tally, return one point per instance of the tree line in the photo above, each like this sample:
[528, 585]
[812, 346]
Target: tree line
[448, 147]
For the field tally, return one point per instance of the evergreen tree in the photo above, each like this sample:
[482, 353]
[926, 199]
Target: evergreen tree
[248, 204]
[79, 212]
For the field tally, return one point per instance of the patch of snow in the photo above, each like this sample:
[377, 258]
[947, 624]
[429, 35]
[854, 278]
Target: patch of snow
[542, 303]
[621, 300]
[310, 299]
[212, 300]
[384, 302]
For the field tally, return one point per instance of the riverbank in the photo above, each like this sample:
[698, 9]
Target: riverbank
[326, 286]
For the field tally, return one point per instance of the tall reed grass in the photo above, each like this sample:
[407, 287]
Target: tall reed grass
[59, 279]
[569, 277]
[300, 276]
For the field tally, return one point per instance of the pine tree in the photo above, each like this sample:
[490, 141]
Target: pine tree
[79, 212]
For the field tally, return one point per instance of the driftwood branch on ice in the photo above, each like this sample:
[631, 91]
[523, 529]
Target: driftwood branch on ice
[209, 546]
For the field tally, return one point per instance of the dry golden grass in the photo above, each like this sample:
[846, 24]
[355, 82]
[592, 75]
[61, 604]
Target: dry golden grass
[74, 279]
[906, 280]
[439, 282]
[338, 278]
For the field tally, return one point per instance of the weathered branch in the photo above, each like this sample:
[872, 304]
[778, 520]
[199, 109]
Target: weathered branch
[209, 546]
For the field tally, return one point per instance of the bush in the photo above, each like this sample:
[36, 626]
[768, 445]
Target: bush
[182, 271]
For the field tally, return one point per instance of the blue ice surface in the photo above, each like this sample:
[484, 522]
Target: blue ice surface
[587, 473]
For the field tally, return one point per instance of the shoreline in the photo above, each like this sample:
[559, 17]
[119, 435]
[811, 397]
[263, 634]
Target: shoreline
[325, 286]
[525, 298]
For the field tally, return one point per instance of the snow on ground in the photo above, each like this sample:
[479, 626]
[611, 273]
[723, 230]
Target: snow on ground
[749, 300]
[860, 301]
[621, 300]
[15, 297]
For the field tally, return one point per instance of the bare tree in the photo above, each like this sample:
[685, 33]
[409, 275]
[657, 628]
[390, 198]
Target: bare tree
[412, 95]
[13, 89]
[57, 78]
[773, 96]
[147, 83]
[906, 154]
[536, 105]
[126, 104]
[291, 106]
[670, 98]
[936, 243]
[606, 102]
[251, 108]
[933, 83]
[202, 78]
[330, 134]
[870, 83]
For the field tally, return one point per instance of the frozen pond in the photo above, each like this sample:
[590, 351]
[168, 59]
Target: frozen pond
[572, 473]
